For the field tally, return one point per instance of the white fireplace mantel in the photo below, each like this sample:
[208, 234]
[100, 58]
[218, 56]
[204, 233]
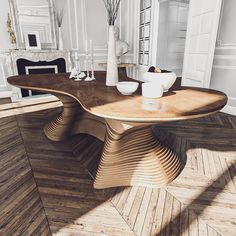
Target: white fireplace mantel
[8, 66]
[42, 55]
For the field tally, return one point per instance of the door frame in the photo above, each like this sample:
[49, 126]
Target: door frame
[140, 69]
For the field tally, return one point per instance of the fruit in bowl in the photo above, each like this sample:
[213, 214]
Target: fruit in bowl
[165, 77]
[127, 88]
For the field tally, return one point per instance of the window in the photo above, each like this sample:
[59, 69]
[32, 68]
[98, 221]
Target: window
[144, 31]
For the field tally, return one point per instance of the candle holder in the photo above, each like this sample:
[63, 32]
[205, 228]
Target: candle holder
[77, 66]
[88, 78]
[92, 69]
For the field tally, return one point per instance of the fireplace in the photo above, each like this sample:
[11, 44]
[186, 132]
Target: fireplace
[26, 67]
[25, 62]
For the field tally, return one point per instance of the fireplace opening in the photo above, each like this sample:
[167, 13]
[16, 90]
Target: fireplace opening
[26, 67]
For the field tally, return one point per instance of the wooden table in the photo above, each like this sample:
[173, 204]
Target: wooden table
[132, 155]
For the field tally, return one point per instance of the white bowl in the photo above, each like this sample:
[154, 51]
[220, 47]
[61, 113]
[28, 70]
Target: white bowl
[152, 89]
[127, 88]
[166, 79]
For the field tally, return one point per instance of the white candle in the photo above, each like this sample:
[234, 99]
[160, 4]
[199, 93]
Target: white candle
[76, 56]
[86, 46]
[79, 65]
[91, 49]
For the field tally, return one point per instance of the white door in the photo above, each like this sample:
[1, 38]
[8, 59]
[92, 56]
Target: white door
[201, 37]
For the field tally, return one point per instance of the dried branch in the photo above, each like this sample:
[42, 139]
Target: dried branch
[112, 7]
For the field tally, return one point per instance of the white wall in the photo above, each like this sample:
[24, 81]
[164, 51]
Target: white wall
[224, 66]
[86, 19]
[5, 90]
[4, 36]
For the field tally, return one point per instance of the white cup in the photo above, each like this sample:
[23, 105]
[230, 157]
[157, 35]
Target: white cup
[152, 90]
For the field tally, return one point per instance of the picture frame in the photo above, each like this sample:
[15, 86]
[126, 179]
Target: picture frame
[32, 40]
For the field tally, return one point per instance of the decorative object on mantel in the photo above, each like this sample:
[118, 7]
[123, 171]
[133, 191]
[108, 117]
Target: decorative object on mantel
[59, 17]
[11, 32]
[121, 46]
[112, 7]
[32, 40]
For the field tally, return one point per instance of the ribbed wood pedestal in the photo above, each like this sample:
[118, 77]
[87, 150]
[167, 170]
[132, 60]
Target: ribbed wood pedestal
[132, 155]
[74, 120]
[135, 157]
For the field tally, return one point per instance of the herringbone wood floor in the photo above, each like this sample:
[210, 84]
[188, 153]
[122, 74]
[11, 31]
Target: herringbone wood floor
[201, 201]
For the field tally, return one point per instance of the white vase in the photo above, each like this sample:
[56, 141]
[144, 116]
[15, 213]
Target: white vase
[60, 41]
[112, 70]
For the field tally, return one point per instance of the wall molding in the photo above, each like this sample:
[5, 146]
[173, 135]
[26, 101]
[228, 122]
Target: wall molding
[227, 57]
[226, 46]
[78, 32]
[224, 67]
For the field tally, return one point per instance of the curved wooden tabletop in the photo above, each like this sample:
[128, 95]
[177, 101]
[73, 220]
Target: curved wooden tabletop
[107, 102]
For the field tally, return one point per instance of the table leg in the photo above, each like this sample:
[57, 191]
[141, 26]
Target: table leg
[74, 120]
[132, 155]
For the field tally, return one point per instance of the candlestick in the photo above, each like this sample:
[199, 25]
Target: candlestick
[78, 70]
[76, 56]
[92, 60]
[87, 61]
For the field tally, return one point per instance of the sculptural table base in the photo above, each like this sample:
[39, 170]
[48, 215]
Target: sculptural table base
[132, 155]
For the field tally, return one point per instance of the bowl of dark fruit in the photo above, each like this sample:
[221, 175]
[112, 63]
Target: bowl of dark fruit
[165, 77]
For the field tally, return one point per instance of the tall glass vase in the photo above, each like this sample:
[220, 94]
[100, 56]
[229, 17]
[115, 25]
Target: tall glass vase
[112, 70]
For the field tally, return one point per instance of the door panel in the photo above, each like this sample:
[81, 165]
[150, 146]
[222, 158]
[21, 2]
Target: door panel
[200, 41]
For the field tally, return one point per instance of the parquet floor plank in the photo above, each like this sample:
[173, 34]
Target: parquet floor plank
[21, 209]
[201, 201]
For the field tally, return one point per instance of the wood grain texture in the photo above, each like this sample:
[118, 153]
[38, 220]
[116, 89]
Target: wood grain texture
[133, 156]
[201, 201]
[8, 109]
[98, 99]
[74, 120]
[72, 205]
[21, 209]
[5, 101]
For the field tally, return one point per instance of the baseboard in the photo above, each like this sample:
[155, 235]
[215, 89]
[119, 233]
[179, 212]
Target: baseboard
[5, 94]
[229, 110]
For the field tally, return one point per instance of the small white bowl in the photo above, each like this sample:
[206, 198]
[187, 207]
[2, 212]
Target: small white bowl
[166, 79]
[152, 89]
[127, 88]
